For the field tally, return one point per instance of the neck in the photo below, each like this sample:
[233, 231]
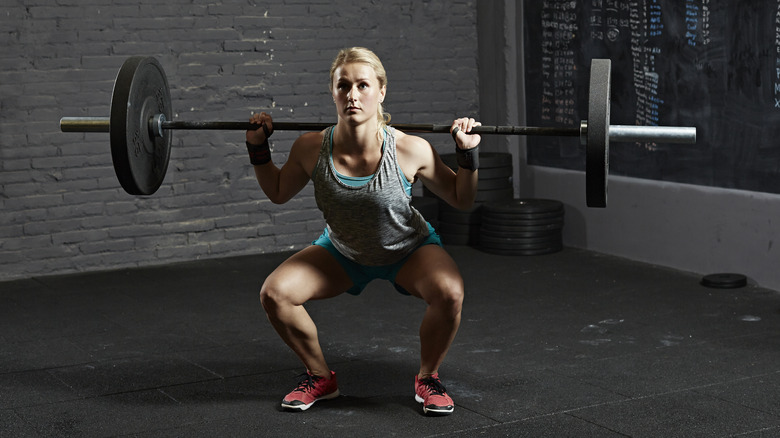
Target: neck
[357, 138]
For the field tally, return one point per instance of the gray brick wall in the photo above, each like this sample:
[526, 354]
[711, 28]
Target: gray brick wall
[61, 207]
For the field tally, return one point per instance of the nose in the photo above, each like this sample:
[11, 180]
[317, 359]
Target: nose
[351, 95]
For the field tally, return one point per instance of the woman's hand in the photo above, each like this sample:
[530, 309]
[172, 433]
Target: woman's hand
[460, 129]
[261, 134]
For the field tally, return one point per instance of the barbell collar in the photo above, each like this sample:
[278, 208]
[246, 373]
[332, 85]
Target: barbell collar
[156, 125]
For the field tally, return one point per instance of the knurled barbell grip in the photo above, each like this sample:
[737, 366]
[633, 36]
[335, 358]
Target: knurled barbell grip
[407, 127]
[102, 124]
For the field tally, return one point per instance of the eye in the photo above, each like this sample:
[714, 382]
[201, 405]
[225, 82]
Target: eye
[363, 86]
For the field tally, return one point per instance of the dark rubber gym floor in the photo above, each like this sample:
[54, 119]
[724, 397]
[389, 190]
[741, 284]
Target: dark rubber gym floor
[568, 344]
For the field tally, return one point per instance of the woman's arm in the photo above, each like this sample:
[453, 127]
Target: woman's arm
[457, 189]
[280, 185]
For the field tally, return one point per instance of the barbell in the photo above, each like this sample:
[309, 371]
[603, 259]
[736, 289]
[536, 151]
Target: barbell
[141, 122]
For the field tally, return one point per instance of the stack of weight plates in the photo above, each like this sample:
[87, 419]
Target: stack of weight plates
[428, 207]
[458, 227]
[522, 227]
[495, 175]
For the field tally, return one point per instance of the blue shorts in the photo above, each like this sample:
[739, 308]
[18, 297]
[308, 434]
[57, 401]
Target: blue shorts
[361, 275]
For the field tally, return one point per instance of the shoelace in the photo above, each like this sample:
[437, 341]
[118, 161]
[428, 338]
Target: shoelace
[307, 382]
[434, 386]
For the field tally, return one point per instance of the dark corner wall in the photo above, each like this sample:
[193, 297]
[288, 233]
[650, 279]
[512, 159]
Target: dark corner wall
[688, 227]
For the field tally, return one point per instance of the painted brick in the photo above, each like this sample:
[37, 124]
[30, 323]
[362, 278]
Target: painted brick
[61, 208]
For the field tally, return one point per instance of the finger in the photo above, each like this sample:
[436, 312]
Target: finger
[269, 122]
[455, 131]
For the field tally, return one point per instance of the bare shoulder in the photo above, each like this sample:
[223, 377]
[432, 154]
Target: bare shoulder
[412, 146]
[309, 140]
[415, 155]
[306, 149]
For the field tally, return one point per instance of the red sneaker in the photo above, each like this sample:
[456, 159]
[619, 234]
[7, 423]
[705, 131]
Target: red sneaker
[310, 389]
[433, 396]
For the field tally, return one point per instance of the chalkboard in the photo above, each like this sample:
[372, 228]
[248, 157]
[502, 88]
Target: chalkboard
[714, 65]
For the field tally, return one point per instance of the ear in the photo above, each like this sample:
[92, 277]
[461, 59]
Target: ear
[382, 93]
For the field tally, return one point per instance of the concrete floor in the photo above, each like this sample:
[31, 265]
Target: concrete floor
[568, 344]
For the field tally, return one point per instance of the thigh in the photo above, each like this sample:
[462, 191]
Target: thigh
[310, 274]
[430, 272]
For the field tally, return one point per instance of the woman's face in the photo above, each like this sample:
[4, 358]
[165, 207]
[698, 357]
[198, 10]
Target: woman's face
[357, 93]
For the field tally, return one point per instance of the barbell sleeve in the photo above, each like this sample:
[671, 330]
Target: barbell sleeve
[85, 124]
[652, 134]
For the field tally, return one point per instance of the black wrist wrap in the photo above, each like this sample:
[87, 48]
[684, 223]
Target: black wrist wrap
[259, 153]
[467, 158]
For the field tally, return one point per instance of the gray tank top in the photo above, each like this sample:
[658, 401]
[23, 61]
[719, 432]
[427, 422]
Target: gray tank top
[372, 224]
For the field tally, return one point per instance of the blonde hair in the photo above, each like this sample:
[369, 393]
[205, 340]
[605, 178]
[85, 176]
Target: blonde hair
[362, 55]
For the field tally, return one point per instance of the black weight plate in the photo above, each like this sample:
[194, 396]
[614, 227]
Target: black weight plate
[429, 194]
[428, 207]
[460, 218]
[459, 239]
[521, 234]
[140, 159]
[494, 183]
[454, 228]
[489, 160]
[597, 147]
[535, 217]
[511, 243]
[523, 252]
[502, 171]
[510, 224]
[523, 216]
[450, 161]
[447, 208]
[522, 229]
[519, 231]
[516, 219]
[493, 243]
[548, 239]
[494, 195]
[486, 160]
[524, 206]
[724, 281]
[494, 172]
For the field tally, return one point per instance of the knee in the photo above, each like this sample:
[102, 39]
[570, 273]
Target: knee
[272, 297]
[267, 298]
[448, 295]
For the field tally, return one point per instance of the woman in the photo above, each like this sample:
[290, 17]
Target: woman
[362, 172]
